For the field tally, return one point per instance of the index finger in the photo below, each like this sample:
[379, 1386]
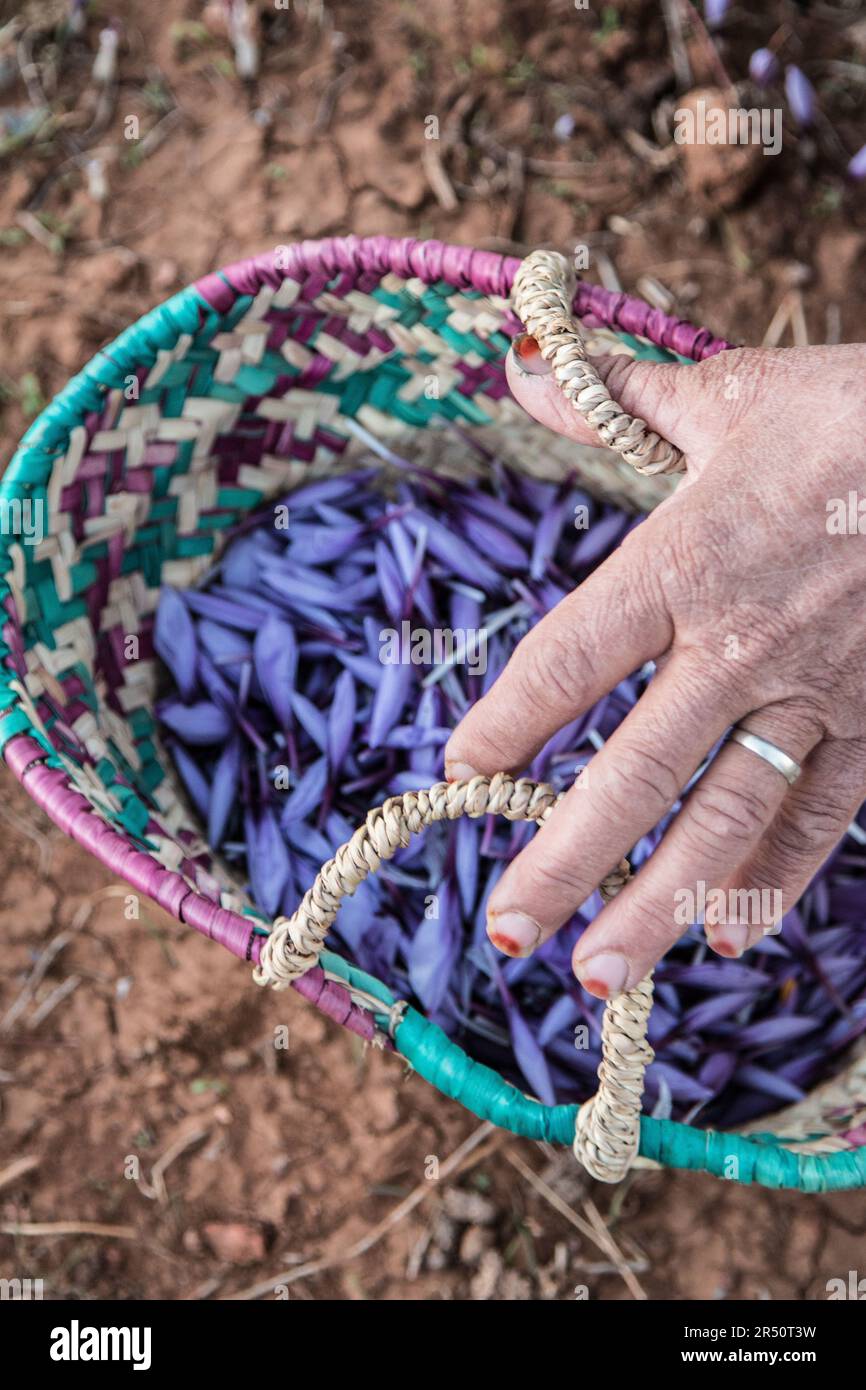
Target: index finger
[600, 633]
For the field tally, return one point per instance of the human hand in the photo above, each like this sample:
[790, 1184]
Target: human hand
[747, 591]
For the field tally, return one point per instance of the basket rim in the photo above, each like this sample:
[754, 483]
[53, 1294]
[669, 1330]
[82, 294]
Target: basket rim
[339, 988]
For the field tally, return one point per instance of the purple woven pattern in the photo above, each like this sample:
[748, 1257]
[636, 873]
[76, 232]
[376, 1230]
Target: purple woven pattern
[364, 260]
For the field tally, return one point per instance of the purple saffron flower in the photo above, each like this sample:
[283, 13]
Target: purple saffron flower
[193, 778]
[225, 646]
[310, 718]
[763, 67]
[307, 796]
[341, 721]
[714, 12]
[391, 585]
[196, 724]
[175, 641]
[224, 791]
[389, 700]
[494, 541]
[801, 95]
[275, 655]
[857, 164]
[528, 1054]
[268, 859]
[434, 950]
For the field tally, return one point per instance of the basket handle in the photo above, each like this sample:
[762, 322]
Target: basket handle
[607, 1130]
[542, 295]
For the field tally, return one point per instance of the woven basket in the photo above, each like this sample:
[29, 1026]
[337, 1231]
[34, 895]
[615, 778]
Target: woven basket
[258, 376]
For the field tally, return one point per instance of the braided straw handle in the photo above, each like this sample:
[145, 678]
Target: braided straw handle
[542, 295]
[608, 1126]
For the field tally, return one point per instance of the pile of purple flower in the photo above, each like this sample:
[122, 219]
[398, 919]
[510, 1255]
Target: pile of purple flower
[321, 668]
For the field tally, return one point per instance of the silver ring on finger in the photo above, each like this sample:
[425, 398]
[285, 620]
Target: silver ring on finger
[776, 757]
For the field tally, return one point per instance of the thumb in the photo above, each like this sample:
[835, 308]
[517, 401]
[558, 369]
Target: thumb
[665, 395]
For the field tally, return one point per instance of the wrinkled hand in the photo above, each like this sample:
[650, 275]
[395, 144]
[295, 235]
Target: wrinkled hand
[747, 591]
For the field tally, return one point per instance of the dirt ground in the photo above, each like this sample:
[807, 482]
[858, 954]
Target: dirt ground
[155, 1142]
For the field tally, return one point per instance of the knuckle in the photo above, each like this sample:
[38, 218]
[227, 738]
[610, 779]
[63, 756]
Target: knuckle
[637, 773]
[658, 927]
[764, 629]
[690, 562]
[720, 812]
[750, 360]
[712, 680]
[680, 557]
[793, 847]
[556, 885]
[618, 372]
[549, 669]
[803, 720]
[748, 367]
[795, 723]
[847, 757]
[484, 738]
[811, 825]
[646, 388]
[494, 741]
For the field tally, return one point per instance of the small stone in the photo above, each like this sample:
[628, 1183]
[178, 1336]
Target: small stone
[469, 1207]
[515, 1287]
[837, 256]
[483, 1284]
[107, 270]
[165, 275]
[476, 1239]
[444, 1232]
[236, 1242]
[236, 1059]
[796, 274]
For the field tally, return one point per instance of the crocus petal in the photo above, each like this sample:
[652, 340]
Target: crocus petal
[196, 724]
[275, 654]
[174, 640]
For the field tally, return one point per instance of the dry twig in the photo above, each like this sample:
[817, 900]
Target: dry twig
[434, 172]
[67, 1228]
[600, 1237]
[18, 1168]
[34, 979]
[155, 1190]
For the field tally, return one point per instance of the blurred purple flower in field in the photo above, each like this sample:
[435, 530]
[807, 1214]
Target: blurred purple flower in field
[801, 95]
[763, 67]
[857, 164]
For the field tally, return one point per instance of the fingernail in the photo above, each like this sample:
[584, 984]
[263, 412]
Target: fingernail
[604, 974]
[527, 356]
[730, 940]
[459, 772]
[513, 933]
